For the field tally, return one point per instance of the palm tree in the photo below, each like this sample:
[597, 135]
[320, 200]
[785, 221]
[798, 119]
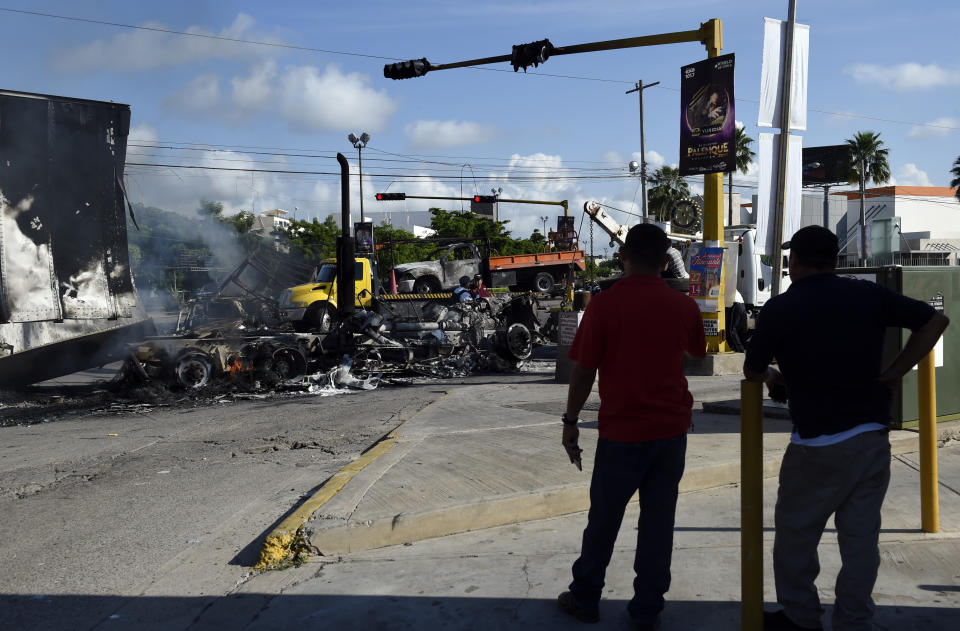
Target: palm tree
[868, 161]
[668, 188]
[745, 156]
[955, 182]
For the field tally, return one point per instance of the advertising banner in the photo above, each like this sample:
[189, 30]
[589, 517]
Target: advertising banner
[771, 74]
[707, 124]
[566, 234]
[363, 237]
[705, 270]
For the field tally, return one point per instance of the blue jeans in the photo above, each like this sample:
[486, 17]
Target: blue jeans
[654, 469]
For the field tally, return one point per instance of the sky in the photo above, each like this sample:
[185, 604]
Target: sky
[565, 130]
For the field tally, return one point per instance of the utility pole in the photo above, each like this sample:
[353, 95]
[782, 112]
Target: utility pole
[826, 207]
[863, 219]
[639, 88]
[779, 209]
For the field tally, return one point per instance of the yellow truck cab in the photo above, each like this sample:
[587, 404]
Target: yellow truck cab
[311, 306]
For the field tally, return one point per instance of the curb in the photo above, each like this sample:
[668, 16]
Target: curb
[405, 528]
[285, 542]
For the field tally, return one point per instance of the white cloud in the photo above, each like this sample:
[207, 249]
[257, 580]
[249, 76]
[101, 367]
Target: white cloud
[142, 132]
[911, 175]
[433, 134]
[936, 128]
[655, 159]
[254, 92]
[307, 97]
[312, 100]
[200, 96]
[147, 50]
[907, 76]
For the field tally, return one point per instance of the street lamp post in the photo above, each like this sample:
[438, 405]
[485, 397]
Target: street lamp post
[359, 144]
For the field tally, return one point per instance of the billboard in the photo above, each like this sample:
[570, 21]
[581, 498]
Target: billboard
[707, 117]
[363, 237]
[566, 233]
[826, 165]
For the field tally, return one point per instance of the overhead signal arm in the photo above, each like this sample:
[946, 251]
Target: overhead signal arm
[710, 34]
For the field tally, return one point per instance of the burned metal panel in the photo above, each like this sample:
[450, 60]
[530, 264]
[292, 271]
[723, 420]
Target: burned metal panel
[64, 251]
[64, 264]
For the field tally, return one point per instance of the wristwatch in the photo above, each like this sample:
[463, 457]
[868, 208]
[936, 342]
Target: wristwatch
[567, 421]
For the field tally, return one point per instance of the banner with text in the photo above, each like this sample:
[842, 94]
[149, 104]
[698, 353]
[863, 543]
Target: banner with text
[707, 123]
[705, 270]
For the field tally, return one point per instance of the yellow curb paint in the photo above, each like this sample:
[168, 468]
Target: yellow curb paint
[278, 545]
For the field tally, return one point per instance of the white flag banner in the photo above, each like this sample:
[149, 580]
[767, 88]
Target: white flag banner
[771, 74]
[768, 152]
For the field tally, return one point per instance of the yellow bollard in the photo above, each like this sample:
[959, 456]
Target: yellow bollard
[927, 396]
[751, 505]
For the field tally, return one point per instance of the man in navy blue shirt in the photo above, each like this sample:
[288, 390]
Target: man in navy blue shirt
[826, 334]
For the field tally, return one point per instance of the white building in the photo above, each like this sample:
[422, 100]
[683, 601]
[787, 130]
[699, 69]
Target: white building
[271, 222]
[921, 222]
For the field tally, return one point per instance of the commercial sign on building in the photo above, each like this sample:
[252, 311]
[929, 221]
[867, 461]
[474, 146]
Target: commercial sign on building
[707, 123]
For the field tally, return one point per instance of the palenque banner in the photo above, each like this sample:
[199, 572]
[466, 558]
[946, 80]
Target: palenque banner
[707, 120]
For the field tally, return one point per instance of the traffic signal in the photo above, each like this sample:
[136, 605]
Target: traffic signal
[407, 69]
[532, 54]
[485, 199]
[389, 197]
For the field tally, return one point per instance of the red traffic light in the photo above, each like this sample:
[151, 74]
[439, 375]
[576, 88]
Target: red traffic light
[387, 197]
[486, 199]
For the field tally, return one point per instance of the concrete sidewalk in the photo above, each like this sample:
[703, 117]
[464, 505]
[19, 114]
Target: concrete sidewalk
[490, 455]
[509, 577]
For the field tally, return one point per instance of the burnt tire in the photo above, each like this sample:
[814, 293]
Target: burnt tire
[319, 318]
[426, 285]
[542, 282]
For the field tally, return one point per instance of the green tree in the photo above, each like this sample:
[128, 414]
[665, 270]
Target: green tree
[868, 161]
[668, 188]
[467, 224]
[744, 155]
[210, 209]
[537, 237]
[313, 240]
[955, 182]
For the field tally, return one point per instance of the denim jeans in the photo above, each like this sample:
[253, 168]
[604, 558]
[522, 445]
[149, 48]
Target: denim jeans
[654, 469]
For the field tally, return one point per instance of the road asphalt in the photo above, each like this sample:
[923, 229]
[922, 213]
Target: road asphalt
[114, 540]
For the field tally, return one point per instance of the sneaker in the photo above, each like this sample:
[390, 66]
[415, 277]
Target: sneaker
[778, 621]
[568, 604]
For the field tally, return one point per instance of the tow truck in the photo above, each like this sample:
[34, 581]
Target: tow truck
[753, 276]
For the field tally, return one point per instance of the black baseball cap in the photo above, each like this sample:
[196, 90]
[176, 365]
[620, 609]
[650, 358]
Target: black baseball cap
[814, 245]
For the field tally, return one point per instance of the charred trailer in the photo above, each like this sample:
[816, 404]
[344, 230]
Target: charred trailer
[67, 296]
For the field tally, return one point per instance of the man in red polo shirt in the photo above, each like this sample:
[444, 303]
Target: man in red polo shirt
[635, 334]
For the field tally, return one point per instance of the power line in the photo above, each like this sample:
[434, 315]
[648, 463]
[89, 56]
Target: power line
[224, 38]
[239, 40]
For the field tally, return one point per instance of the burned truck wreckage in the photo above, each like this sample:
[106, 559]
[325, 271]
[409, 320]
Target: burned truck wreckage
[406, 339]
[236, 336]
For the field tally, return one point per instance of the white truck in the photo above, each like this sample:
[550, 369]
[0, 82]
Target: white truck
[753, 277]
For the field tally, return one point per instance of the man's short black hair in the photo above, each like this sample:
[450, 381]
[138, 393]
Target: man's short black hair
[814, 246]
[646, 245]
[464, 281]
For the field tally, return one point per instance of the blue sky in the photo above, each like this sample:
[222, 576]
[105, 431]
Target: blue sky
[466, 129]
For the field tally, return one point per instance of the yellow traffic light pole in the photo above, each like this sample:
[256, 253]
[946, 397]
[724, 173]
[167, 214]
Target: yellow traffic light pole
[710, 34]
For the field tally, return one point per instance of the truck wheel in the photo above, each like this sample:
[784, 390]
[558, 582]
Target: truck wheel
[318, 318]
[426, 285]
[543, 282]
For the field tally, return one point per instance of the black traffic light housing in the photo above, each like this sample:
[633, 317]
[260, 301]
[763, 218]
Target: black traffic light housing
[407, 69]
[485, 199]
[388, 197]
[532, 54]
